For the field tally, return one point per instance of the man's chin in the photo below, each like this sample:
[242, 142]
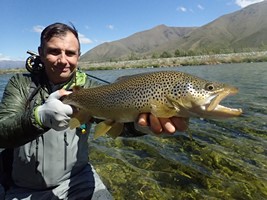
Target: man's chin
[66, 74]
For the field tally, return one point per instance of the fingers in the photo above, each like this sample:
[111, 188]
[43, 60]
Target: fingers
[167, 125]
[67, 109]
[63, 92]
[155, 124]
[55, 104]
[180, 123]
[159, 125]
[146, 119]
[58, 94]
[142, 120]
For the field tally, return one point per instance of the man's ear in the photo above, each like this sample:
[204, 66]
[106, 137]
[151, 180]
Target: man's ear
[40, 51]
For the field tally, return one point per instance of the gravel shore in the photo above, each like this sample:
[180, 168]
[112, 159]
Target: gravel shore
[179, 61]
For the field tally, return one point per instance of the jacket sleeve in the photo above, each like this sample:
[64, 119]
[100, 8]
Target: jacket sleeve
[16, 122]
[89, 83]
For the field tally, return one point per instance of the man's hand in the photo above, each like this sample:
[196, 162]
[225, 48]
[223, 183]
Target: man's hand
[160, 125]
[53, 113]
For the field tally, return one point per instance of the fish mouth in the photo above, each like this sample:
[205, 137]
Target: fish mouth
[217, 110]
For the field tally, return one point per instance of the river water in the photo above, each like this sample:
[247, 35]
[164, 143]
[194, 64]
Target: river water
[227, 159]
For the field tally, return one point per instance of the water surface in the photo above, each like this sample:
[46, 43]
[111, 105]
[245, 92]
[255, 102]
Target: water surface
[227, 159]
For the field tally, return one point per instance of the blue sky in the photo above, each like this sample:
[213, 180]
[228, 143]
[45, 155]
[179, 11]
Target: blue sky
[100, 21]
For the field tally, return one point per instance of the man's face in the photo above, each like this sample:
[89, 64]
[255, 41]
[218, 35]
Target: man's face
[60, 56]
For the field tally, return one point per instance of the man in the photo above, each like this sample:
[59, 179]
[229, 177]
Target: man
[50, 161]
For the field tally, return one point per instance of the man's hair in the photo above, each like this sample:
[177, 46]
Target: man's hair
[57, 29]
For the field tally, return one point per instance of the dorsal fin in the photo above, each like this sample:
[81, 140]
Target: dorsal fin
[121, 78]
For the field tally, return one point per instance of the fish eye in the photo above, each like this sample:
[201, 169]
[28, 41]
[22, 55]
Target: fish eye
[209, 86]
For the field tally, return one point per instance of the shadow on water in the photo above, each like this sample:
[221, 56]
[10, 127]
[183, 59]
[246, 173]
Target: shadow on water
[225, 160]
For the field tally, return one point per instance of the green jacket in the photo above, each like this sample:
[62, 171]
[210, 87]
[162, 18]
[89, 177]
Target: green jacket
[43, 158]
[17, 123]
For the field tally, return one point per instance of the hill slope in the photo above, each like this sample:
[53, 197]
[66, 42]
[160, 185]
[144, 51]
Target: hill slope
[241, 30]
[137, 44]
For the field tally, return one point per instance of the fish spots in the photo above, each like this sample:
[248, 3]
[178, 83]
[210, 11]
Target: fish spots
[136, 92]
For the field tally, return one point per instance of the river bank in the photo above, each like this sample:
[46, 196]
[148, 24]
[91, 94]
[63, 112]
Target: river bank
[247, 57]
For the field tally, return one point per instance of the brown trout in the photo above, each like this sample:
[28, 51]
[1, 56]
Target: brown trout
[164, 94]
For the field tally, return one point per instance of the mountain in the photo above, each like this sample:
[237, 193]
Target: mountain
[138, 43]
[237, 31]
[242, 29]
[6, 64]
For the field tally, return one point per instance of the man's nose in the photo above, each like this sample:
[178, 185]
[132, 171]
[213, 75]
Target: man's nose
[62, 58]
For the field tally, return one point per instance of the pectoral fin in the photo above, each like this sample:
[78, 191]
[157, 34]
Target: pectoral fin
[162, 110]
[108, 127]
[181, 103]
[74, 123]
[175, 103]
[102, 128]
[115, 130]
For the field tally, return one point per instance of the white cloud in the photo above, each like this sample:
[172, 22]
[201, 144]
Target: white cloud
[244, 3]
[200, 7]
[181, 8]
[38, 28]
[84, 40]
[111, 27]
[87, 27]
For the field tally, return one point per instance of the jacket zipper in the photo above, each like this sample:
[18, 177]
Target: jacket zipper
[65, 150]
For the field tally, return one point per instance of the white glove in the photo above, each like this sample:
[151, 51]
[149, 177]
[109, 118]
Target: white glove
[53, 113]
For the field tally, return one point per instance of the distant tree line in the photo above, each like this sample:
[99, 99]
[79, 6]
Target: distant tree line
[199, 52]
[183, 53]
